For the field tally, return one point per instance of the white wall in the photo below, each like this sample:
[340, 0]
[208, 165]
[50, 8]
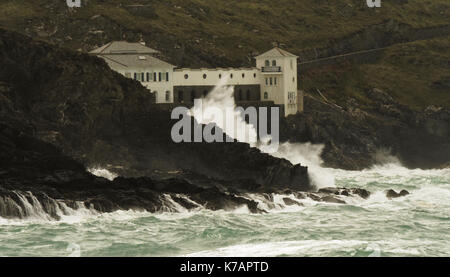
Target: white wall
[196, 76]
[159, 88]
[285, 91]
[275, 91]
[290, 85]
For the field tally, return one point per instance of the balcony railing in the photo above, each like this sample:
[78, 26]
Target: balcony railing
[271, 69]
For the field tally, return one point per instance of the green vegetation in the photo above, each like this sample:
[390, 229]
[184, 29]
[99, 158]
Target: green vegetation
[222, 33]
[410, 72]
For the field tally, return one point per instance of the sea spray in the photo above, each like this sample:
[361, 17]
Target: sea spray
[102, 172]
[234, 125]
[221, 98]
[308, 154]
[415, 225]
[41, 207]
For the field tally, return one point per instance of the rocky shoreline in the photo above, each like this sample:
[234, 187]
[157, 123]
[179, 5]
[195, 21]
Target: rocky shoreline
[63, 111]
[37, 180]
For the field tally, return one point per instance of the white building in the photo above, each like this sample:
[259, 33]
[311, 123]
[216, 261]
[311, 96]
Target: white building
[273, 79]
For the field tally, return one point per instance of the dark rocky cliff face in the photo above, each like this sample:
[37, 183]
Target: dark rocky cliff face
[357, 137]
[412, 67]
[75, 102]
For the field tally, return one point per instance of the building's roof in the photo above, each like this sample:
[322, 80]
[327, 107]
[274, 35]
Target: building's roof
[123, 47]
[134, 61]
[275, 53]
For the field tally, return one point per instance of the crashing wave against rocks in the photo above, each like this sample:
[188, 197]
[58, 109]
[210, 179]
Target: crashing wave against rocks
[19, 204]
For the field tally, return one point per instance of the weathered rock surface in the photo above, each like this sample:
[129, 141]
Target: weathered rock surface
[75, 102]
[353, 135]
[393, 194]
[62, 111]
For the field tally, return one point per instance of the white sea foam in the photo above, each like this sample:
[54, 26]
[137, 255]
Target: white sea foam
[307, 154]
[272, 249]
[102, 172]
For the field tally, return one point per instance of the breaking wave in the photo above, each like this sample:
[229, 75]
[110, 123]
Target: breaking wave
[307, 154]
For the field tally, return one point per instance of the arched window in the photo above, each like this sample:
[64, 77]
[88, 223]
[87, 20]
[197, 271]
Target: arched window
[243, 75]
[254, 75]
[186, 76]
[220, 76]
[266, 95]
[274, 63]
[267, 63]
[204, 76]
[167, 96]
[231, 75]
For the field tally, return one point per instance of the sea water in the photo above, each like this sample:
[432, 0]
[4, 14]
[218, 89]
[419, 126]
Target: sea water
[415, 225]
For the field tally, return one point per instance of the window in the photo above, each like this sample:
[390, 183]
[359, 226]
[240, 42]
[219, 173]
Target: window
[271, 81]
[231, 75]
[154, 76]
[204, 76]
[275, 80]
[254, 75]
[135, 76]
[148, 76]
[160, 76]
[167, 96]
[274, 63]
[243, 75]
[267, 63]
[293, 79]
[220, 76]
[143, 77]
[167, 76]
[266, 95]
[186, 76]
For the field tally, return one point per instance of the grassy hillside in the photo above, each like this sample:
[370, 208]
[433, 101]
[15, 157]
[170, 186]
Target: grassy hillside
[416, 74]
[230, 33]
